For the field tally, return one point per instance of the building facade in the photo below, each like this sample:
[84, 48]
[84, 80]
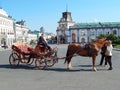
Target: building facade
[86, 32]
[11, 32]
[32, 37]
[21, 31]
[6, 29]
[69, 31]
[63, 27]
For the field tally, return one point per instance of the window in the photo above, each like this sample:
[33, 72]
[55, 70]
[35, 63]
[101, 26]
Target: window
[114, 32]
[92, 33]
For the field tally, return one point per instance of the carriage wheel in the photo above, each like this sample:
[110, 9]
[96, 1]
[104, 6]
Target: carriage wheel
[53, 59]
[31, 61]
[49, 62]
[14, 59]
[40, 63]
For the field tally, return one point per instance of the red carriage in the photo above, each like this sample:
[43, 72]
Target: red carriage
[25, 54]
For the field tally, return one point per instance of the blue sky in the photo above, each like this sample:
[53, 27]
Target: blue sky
[47, 13]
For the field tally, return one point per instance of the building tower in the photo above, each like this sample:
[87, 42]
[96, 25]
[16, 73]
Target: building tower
[63, 27]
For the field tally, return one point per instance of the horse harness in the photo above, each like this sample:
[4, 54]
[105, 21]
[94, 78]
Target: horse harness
[90, 48]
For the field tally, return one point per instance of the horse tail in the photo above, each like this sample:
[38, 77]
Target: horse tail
[67, 54]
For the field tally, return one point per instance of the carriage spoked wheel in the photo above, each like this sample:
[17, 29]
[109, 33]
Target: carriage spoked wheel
[40, 63]
[50, 61]
[24, 58]
[31, 61]
[14, 59]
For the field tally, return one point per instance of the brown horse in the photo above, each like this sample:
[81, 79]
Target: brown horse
[88, 50]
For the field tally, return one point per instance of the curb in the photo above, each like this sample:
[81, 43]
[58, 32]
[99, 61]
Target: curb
[2, 49]
[116, 49]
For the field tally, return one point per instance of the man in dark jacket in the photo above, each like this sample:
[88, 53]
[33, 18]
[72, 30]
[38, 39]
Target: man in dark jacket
[43, 42]
[104, 48]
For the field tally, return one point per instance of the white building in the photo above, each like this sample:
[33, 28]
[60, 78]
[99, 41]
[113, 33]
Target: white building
[11, 32]
[6, 28]
[68, 31]
[63, 27]
[32, 37]
[21, 31]
[86, 32]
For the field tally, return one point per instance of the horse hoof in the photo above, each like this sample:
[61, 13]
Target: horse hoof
[68, 69]
[94, 69]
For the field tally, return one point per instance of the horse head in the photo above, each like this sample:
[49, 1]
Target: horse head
[99, 43]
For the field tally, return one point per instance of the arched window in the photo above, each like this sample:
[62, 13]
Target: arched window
[92, 33]
[114, 32]
[82, 40]
[73, 37]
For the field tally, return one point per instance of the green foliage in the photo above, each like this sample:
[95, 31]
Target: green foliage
[117, 46]
[115, 39]
[101, 36]
[32, 42]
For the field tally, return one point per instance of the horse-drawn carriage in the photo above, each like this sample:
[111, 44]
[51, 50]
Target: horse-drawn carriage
[22, 53]
[25, 54]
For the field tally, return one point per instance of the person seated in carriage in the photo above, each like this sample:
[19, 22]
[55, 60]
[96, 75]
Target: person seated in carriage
[42, 41]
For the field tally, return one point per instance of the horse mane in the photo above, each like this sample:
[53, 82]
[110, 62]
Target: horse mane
[99, 43]
[99, 40]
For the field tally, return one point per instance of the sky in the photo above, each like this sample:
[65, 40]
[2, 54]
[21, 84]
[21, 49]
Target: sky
[47, 13]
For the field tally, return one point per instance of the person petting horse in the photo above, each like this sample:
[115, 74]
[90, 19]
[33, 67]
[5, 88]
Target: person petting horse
[109, 56]
[91, 51]
[103, 57]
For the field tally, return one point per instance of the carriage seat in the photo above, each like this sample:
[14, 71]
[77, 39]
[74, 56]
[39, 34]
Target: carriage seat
[22, 48]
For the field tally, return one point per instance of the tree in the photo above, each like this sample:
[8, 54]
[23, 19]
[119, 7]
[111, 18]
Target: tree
[115, 39]
[32, 42]
[101, 36]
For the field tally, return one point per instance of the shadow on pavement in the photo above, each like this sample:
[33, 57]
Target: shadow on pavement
[31, 67]
[60, 70]
[99, 68]
[74, 69]
[28, 67]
